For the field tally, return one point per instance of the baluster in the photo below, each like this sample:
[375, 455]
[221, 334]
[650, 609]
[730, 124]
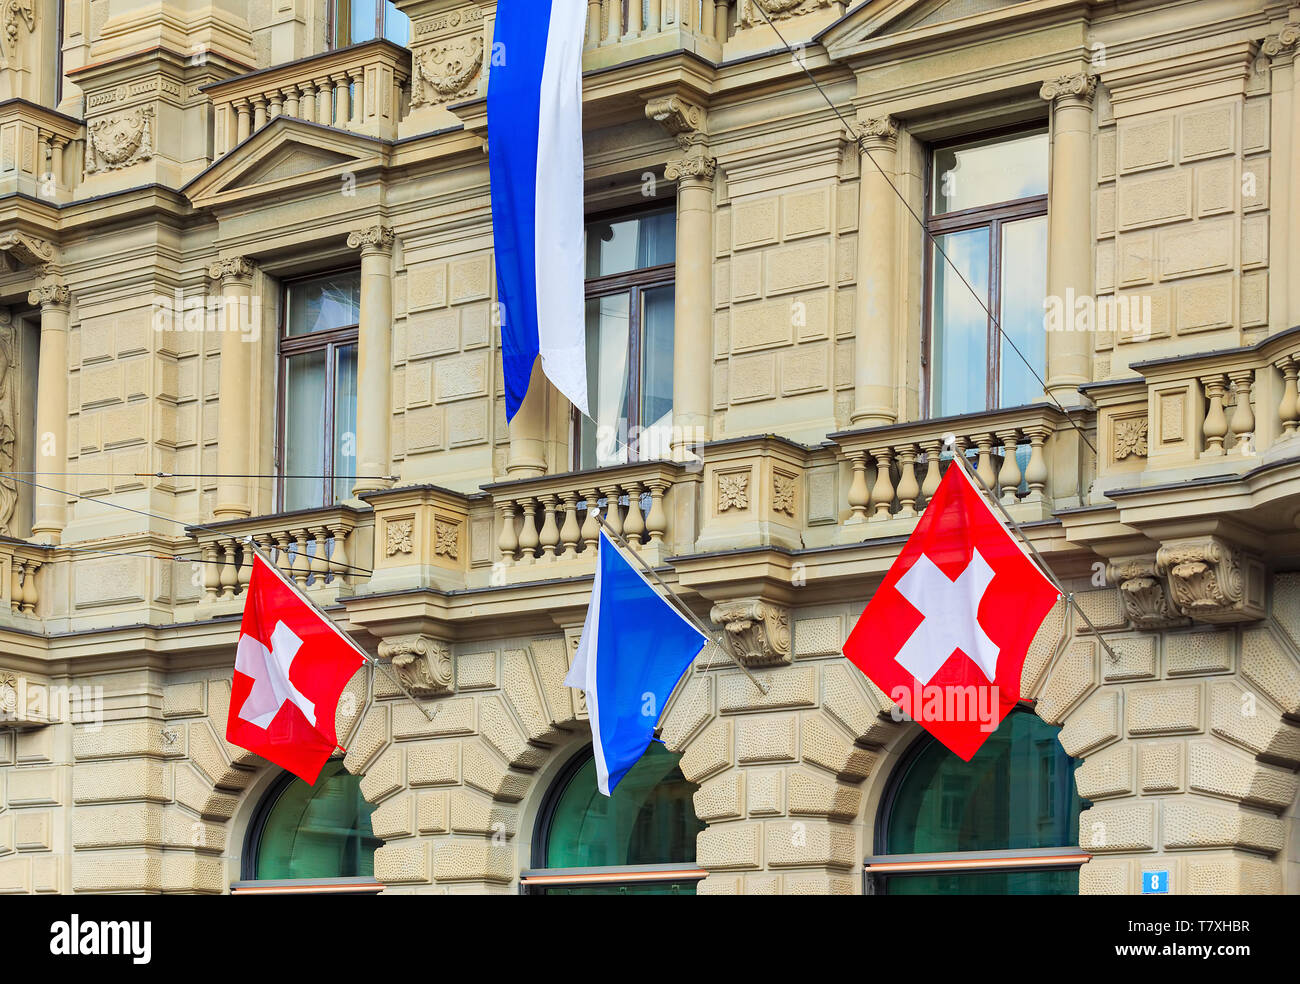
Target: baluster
[984, 467]
[325, 101]
[56, 160]
[550, 529]
[908, 490]
[528, 534]
[656, 523]
[301, 562]
[1289, 407]
[290, 100]
[245, 573]
[242, 121]
[613, 21]
[593, 23]
[705, 27]
[16, 584]
[319, 563]
[275, 104]
[211, 571]
[1009, 474]
[931, 483]
[590, 525]
[613, 514]
[1215, 427]
[508, 541]
[882, 493]
[859, 494]
[307, 103]
[358, 77]
[220, 130]
[343, 101]
[259, 112]
[340, 563]
[633, 523]
[30, 597]
[1036, 468]
[720, 20]
[229, 573]
[283, 558]
[654, 22]
[1243, 417]
[633, 19]
[570, 531]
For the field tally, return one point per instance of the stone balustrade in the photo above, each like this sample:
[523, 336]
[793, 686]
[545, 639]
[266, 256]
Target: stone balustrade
[321, 550]
[363, 88]
[20, 565]
[627, 30]
[40, 150]
[895, 470]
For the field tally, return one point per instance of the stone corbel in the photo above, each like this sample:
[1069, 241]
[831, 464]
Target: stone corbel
[24, 703]
[686, 123]
[423, 664]
[1212, 580]
[755, 632]
[1146, 599]
[21, 249]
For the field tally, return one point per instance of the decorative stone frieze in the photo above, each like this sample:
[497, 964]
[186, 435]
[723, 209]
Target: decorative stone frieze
[1143, 591]
[752, 11]
[1212, 580]
[422, 663]
[755, 632]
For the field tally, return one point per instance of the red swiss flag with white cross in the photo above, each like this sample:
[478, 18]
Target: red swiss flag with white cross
[290, 670]
[945, 635]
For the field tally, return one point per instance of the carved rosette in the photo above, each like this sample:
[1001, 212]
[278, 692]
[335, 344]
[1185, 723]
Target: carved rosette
[446, 539]
[1130, 438]
[375, 239]
[733, 492]
[1212, 580]
[1143, 591]
[398, 537]
[440, 72]
[423, 664]
[120, 140]
[1081, 87]
[755, 632]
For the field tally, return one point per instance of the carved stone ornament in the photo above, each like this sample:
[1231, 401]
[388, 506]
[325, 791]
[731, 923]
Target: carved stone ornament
[755, 632]
[446, 539]
[733, 492]
[1284, 40]
[1130, 438]
[878, 129]
[422, 664]
[120, 140]
[700, 166]
[442, 71]
[397, 537]
[753, 10]
[1140, 586]
[1081, 86]
[1212, 580]
[232, 268]
[26, 250]
[51, 294]
[783, 487]
[13, 15]
[676, 115]
[376, 238]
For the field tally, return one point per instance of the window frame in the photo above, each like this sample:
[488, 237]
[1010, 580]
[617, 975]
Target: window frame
[286, 348]
[993, 217]
[636, 283]
[332, 25]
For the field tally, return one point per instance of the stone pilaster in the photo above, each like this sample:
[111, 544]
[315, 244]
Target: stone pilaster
[240, 331]
[51, 455]
[876, 300]
[374, 358]
[1281, 49]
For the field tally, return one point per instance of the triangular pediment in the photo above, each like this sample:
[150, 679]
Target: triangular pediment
[285, 154]
[877, 22]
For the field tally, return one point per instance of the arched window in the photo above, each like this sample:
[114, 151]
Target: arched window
[640, 841]
[1006, 822]
[318, 836]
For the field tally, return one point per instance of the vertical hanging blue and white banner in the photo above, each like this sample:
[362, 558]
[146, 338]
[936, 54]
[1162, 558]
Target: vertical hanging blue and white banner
[635, 646]
[535, 161]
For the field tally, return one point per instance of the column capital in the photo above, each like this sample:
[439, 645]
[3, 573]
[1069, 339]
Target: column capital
[699, 166]
[1078, 88]
[51, 294]
[374, 239]
[233, 269]
[1284, 43]
[877, 131]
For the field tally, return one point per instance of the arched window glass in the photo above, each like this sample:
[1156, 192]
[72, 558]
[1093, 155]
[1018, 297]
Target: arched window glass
[320, 831]
[1016, 796]
[646, 829]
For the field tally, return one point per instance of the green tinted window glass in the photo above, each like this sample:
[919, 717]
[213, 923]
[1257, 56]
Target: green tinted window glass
[634, 888]
[1061, 881]
[320, 831]
[1017, 792]
[650, 819]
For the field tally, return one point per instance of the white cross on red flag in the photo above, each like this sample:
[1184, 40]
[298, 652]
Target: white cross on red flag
[290, 670]
[946, 633]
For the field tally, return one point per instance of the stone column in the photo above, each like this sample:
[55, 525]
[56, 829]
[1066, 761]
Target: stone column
[527, 457]
[1069, 228]
[239, 331]
[374, 357]
[51, 408]
[876, 299]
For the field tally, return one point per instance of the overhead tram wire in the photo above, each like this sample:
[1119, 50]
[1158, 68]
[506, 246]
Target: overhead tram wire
[799, 60]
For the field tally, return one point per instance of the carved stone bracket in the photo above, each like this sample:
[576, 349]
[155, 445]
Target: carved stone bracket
[685, 122]
[1143, 590]
[29, 251]
[1212, 580]
[755, 632]
[24, 703]
[422, 663]
[1081, 87]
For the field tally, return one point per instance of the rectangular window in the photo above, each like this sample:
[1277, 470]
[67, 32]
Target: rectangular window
[355, 21]
[318, 390]
[630, 271]
[987, 213]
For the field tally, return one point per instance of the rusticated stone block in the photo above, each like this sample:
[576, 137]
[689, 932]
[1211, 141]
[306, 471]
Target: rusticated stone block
[710, 753]
[206, 753]
[764, 792]
[1221, 772]
[1070, 680]
[392, 818]
[1118, 827]
[406, 863]
[821, 636]
[721, 885]
[483, 770]
[472, 813]
[812, 883]
[114, 871]
[1271, 668]
[1194, 825]
[108, 782]
[182, 830]
[1197, 653]
[33, 830]
[805, 843]
[191, 873]
[431, 813]
[385, 777]
[688, 712]
[1161, 767]
[369, 740]
[1286, 605]
[183, 700]
[552, 663]
[726, 846]
[15, 876]
[131, 739]
[133, 825]
[721, 798]
[499, 730]
[476, 671]
[1104, 606]
[1094, 724]
[1137, 659]
[522, 691]
[1107, 773]
[815, 795]
[1239, 718]
[823, 744]
[473, 859]
[793, 686]
[352, 704]
[34, 787]
[1047, 640]
[1164, 710]
[1106, 876]
[192, 791]
[766, 739]
[1232, 875]
[845, 699]
[434, 763]
[454, 716]
[763, 884]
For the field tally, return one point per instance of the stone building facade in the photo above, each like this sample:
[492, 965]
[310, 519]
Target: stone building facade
[171, 171]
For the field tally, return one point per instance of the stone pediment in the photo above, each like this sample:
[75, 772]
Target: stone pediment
[285, 154]
[875, 21]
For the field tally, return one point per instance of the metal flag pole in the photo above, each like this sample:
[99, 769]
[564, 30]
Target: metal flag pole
[964, 464]
[248, 542]
[677, 602]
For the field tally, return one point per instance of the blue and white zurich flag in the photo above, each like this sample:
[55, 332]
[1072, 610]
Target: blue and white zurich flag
[635, 647]
[535, 160]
